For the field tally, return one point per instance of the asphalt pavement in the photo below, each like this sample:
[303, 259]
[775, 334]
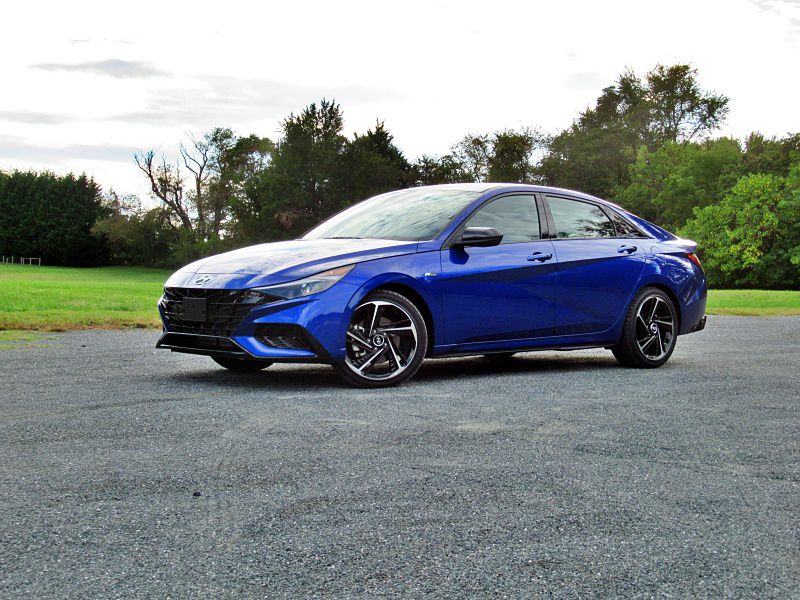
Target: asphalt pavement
[131, 472]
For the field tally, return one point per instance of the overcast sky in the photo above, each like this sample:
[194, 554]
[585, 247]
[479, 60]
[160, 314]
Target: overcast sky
[85, 85]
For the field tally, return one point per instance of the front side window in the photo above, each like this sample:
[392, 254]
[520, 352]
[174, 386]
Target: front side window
[515, 217]
[574, 219]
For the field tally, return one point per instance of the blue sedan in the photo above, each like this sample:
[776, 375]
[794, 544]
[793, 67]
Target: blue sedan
[461, 269]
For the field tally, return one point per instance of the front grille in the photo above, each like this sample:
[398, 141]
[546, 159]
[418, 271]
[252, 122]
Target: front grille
[225, 309]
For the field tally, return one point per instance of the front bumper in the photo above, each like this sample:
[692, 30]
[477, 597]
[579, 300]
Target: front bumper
[309, 329]
[207, 345]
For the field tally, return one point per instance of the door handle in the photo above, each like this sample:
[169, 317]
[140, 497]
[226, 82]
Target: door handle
[626, 249]
[539, 257]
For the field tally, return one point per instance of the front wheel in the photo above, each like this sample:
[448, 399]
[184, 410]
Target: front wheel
[386, 341]
[241, 365]
[649, 332]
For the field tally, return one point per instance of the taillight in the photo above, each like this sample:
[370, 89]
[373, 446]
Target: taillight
[693, 257]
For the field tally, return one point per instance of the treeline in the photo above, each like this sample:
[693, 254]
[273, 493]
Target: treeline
[646, 143]
[51, 217]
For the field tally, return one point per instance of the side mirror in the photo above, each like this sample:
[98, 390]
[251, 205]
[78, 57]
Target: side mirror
[479, 236]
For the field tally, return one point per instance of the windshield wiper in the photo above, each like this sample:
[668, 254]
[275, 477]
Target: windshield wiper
[344, 237]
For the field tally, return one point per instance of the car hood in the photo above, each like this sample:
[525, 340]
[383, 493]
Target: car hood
[278, 262]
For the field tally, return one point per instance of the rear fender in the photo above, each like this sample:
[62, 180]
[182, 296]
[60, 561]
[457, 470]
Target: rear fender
[668, 268]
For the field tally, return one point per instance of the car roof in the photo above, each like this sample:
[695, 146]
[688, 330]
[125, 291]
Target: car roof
[517, 187]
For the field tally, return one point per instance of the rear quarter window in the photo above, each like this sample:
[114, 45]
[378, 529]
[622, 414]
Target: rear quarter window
[623, 227]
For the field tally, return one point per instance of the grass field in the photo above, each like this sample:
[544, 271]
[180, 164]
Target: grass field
[59, 298]
[753, 303]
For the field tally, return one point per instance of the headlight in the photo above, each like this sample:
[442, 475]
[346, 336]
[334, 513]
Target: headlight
[310, 285]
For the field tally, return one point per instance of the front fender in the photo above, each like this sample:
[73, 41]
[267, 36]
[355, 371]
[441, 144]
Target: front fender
[415, 273]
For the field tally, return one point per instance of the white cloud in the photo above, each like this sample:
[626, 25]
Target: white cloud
[111, 67]
[433, 70]
[222, 99]
[586, 80]
[17, 148]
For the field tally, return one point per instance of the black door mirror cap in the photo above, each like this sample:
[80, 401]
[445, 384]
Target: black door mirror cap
[479, 237]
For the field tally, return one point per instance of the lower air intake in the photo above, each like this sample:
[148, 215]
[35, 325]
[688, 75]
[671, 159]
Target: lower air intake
[284, 337]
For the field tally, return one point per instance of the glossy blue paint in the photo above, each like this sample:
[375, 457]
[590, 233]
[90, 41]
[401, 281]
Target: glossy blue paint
[279, 262]
[496, 293]
[595, 283]
[475, 300]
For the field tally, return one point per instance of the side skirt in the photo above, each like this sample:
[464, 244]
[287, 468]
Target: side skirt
[557, 348]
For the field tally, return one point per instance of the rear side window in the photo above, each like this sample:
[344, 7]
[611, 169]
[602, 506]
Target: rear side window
[515, 217]
[574, 219]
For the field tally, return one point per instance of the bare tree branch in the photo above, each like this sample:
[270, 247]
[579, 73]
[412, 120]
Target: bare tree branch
[165, 184]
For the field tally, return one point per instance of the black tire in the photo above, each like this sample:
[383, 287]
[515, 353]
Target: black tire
[500, 356]
[370, 361]
[241, 365]
[647, 340]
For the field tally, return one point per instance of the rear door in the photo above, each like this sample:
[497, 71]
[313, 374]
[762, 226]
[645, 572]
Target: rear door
[503, 292]
[599, 264]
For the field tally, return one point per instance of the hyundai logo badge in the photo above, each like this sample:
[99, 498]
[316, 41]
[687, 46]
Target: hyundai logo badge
[203, 280]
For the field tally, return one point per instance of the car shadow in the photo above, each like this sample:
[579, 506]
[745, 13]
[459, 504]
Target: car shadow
[531, 363]
[283, 377]
[302, 377]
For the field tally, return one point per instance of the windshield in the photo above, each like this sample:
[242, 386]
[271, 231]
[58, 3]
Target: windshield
[414, 214]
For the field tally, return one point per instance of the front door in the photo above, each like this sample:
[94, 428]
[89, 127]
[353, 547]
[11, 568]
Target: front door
[503, 292]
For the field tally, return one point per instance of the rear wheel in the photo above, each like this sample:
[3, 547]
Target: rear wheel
[242, 365]
[649, 332]
[386, 341]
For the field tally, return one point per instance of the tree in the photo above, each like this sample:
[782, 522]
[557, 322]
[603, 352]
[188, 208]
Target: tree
[592, 160]
[315, 171]
[218, 163]
[167, 185]
[679, 110]
[297, 189]
[752, 237]
[371, 164]
[593, 154]
[512, 153]
[771, 155]
[472, 153]
[432, 170]
[237, 167]
[505, 155]
[51, 217]
[135, 236]
[667, 184]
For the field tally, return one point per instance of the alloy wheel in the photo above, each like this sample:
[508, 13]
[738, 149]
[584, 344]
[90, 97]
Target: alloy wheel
[382, 340]
[655, 328]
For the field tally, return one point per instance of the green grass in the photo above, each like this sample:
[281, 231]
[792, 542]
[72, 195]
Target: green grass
[21, 339]
[60, 298]
[11, 337]
[754, 303]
